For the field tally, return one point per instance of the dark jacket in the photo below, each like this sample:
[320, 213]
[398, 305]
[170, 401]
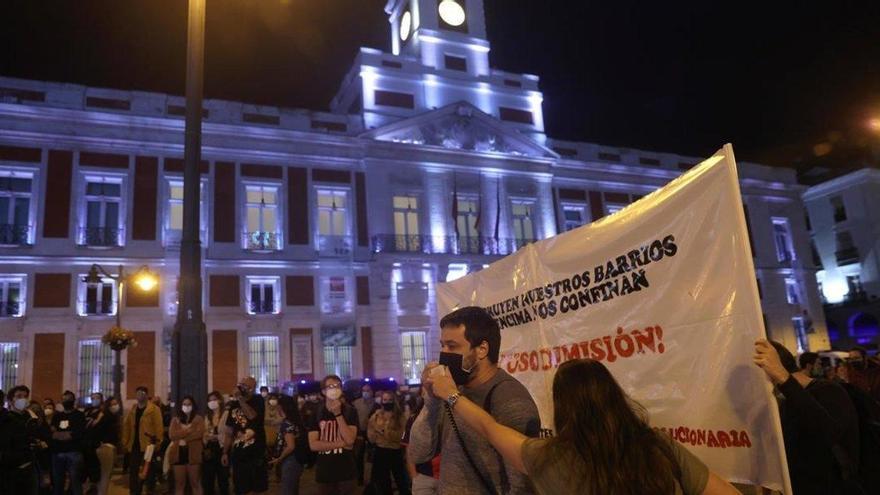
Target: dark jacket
[821, 432]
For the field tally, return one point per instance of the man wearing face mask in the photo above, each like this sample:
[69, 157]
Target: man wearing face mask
[863, 372]
[470, 343]
[141, 427]
[18, 470]
[68, 427]
[248, 451]
[332, 433]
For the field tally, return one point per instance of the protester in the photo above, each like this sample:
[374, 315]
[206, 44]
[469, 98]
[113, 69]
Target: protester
[290, 434]
[41, 436]
[48, 409]
[142, 427]
[470, 344]
[863, 372]
[248, 451]
[603, 442]
[332, 433]
[92, 465]
[819, 425]
[385, 430]
[425, 476]
[216, 436]
[272, 420]
[101, 437]
[811, 365]
[364, 405]
[17, 434]
[186, 432]
[68, 428]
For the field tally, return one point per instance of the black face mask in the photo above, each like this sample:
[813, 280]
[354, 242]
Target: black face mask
[453, 361]
[388, 406]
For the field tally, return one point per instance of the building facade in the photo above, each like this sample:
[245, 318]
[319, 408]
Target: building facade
[324, 234]
[844, 222]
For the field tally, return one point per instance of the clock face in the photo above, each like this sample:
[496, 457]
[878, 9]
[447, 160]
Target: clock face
[405, 25]
[451, 12]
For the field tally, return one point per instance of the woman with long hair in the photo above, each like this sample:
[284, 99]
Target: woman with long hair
[385, 430]
[603, 443]
[216, 435]
[186, 432]
[290, 433]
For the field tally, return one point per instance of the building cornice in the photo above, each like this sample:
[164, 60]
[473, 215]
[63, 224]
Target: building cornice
[857, 178]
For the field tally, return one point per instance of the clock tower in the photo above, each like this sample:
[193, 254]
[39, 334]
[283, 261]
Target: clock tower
[444, 34]
[439, 57]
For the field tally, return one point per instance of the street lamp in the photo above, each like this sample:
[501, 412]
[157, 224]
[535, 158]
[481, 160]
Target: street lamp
[189, 370]
[143, 278]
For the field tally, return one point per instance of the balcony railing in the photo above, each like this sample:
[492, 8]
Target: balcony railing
[262, 241]
[847, 256]
[101, 236]
[262, 307]
[426, 244]
[14, 235]
[10, 308]
[99, 308]
[334, 246]
[174, 236]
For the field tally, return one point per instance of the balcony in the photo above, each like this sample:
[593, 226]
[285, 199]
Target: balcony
[10, 308]
[262, 307]
[99, 308]
[425, 244]
[174, 236]
[334, 246]
[14, 235]
[102, 237]
[262, 241]
[847, 256]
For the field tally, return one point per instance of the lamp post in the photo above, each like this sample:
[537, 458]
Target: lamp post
[189, 352]
[146, 281]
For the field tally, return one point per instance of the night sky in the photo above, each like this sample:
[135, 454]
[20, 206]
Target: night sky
[775, 78]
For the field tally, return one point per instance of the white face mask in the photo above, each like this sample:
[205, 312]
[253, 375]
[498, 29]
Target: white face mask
[333, 393]
[213, 405]
[186, 409]
[114, 409]
[20, 404]
[48, 411]
[273, 402]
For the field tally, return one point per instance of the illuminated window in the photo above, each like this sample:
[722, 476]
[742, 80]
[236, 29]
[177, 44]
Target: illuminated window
[575, 216]
[174, 212]
[12, 296]
[414, 354]
[523, 225]
[95, 372]
[338, 344]
[782, 238]
[262, 218]
[97, 299]
[406, 223]
[103, 212]
[15, 208]
[467, 227]
[264, 296]
[333, 222]
[263, 360]
[800, 333]
[791, 291]
[8, 365]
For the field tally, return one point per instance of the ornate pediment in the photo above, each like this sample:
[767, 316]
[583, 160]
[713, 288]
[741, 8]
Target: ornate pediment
[460, 126]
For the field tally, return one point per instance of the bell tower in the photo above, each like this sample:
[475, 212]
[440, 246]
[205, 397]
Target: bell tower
[443, 34]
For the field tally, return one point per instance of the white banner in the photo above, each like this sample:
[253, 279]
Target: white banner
[664, 293]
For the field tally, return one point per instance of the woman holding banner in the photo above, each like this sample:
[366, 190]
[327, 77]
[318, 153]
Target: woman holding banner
[603, 442]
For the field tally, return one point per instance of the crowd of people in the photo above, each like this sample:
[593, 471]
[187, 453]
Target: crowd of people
[469, 428]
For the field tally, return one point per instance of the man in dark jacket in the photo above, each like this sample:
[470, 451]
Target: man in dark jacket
[819, 425]
[68, 427]
[17, 432]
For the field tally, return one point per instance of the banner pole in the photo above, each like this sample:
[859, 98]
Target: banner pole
[756, 305]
